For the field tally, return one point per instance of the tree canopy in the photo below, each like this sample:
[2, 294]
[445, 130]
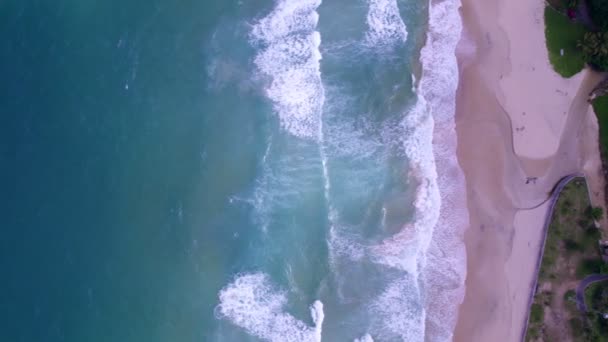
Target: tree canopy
[598, 10]
[595, 49]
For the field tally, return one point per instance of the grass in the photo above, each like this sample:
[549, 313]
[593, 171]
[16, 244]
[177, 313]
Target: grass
[577, 327]
[593, 290]
[589, 266]
[571, 252]
[600, 106]
[595, 297]
[536, 313]
[597, 305]
[563, 34]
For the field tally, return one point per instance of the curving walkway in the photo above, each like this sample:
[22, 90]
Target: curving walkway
[580, 289]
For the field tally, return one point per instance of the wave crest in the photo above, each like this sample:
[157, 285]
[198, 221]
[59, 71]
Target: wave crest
[385, 24]
[252, 303]
[289, 55]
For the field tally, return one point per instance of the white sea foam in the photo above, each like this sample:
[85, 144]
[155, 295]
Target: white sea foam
[398, 314]
[364, 338]
[317, 314]
[406, 249]
[385, 26]
[445, 272]
[422, 304]
[430, 249]
[396, 308]
[252, 303]
[289, 54]
[344, 245]
[351, 138]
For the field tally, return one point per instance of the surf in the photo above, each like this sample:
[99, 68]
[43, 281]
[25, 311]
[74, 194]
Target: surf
[253, 303]
[289, 56]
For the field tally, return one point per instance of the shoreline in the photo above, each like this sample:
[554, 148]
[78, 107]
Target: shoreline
[516, 120]
[444, 290]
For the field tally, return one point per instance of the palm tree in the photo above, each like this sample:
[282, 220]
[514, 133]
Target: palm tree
[594, 46]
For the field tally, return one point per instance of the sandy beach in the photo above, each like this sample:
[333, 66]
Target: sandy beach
[521, 127]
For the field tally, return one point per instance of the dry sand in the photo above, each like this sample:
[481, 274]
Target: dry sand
[516, 118]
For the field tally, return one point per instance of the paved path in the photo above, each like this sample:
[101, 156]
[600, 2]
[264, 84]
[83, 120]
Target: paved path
[580, 289]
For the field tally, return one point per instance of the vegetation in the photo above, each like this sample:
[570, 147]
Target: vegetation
[598, 9]
[594, 46]
[595, 213]
[570, 43]
[559, 5]
[596, 297]
[600, 106]
[589, 266]
[563, 36]
[571, 248]
[536, 313]
[571, 253]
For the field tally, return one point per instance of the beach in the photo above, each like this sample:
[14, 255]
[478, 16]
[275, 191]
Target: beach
[521, 127]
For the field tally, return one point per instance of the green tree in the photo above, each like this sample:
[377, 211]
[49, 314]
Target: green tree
[593, 213]
[597, 213]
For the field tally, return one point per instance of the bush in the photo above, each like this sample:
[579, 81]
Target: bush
[570, 295]
[536, 313]
[597, 213]
[571, 245]
[584, 222]
[594, 213]
[532, 334]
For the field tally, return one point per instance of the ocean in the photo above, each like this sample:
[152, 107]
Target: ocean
[230, 170]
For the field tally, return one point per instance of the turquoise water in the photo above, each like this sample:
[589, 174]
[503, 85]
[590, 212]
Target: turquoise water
[226, 171]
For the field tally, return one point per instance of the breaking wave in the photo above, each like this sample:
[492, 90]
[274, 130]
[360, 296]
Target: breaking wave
[416, 270]
[289, 55]
[252, 303]
[385, 25]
